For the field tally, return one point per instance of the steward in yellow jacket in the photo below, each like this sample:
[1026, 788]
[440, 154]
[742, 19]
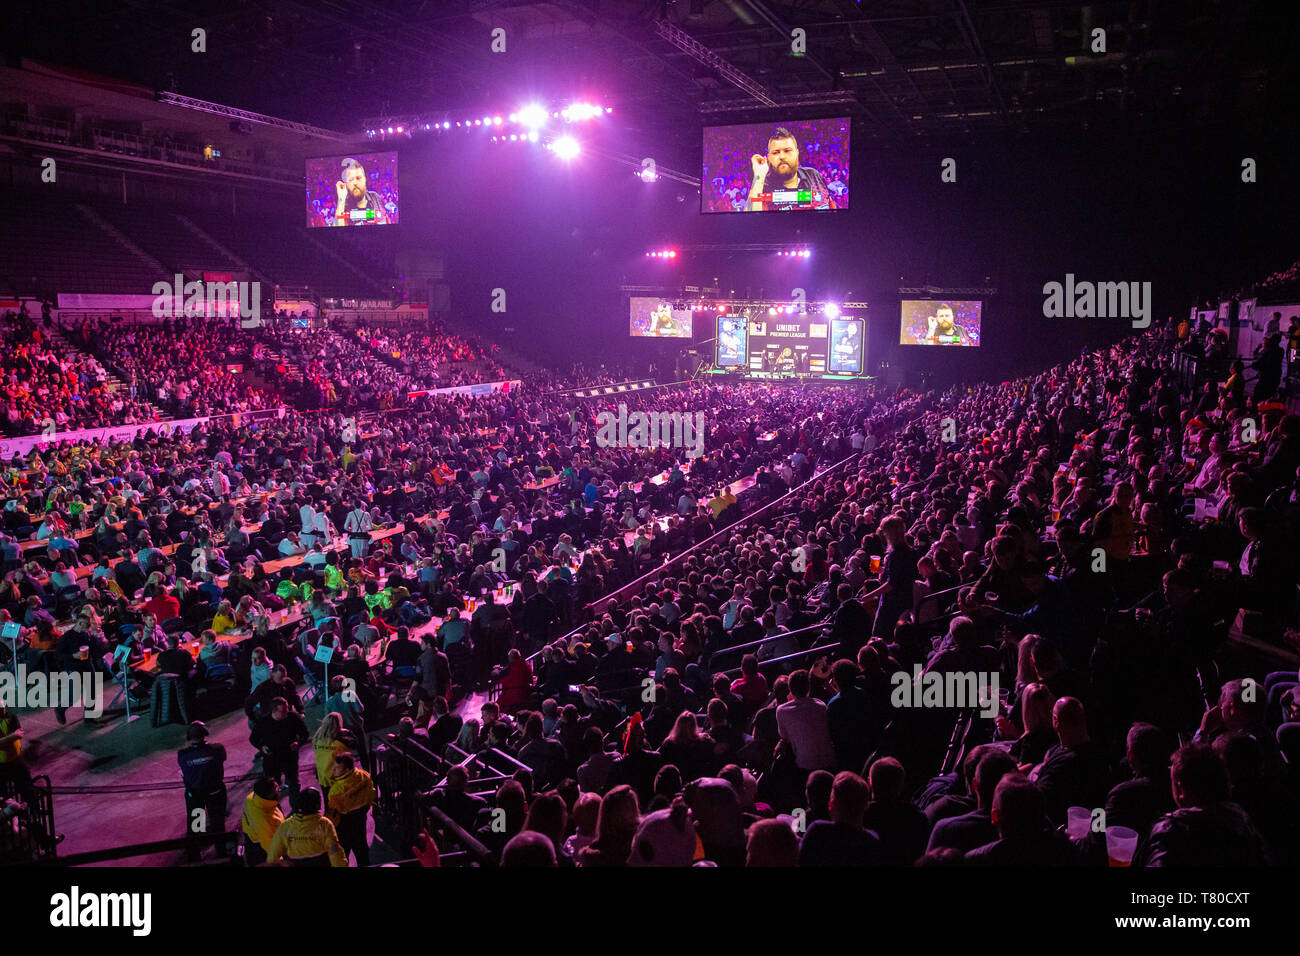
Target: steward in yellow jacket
[351, 789]
[351, 794]
[262, 817]
[307, 838]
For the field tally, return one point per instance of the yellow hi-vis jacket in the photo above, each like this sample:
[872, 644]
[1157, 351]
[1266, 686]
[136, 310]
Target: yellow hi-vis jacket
[306, 835]
[262, 818]
[352, 791]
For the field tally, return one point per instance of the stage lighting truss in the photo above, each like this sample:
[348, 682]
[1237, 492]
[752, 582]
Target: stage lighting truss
[930, 291]
[525, 120]
[730, 247]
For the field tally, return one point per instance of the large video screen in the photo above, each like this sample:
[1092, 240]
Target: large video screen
[355, 190]
[940, 322]
[766, 167]
[845, 353]
[733, 336]
[655, 318]
[787, 345]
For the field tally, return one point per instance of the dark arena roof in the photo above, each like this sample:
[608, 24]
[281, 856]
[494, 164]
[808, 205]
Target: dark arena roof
[473, 435]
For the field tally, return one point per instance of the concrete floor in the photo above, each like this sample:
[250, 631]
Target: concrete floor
[118, 783]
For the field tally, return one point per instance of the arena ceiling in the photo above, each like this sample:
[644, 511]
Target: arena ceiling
[905, 69]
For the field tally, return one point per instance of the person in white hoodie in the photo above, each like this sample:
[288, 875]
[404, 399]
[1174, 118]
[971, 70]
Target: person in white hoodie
[307, 515]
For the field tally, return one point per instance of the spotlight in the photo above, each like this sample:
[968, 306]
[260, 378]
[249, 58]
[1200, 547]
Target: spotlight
[772, 311]
[832, 310]
[390, 129]
[478, 122]
[400, 129]
[532, 116]
[513, 137]
[487, 121]
[447, 125]
[566, 147]
[532, 137]
[496, 121]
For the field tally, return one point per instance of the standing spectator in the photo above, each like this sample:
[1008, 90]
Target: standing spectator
[203, 770]
[279, 736]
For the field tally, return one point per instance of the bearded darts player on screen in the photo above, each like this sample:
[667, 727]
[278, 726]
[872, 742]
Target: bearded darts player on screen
[351, 194]
[941, 327]
[780, 170]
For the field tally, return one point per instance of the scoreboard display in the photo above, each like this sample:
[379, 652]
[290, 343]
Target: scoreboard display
[788, 344]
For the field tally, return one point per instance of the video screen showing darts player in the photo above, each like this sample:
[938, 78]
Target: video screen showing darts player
[357, 205]
[780, 182]
[942, 328]
[663, 322]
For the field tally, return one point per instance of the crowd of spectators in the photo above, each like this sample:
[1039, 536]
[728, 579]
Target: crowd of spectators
[371, 368]
[1111, 556]
[179, 365]
[183, 369]
[428, 355]
[1283, 278]
[1090, 539]
[45, 385]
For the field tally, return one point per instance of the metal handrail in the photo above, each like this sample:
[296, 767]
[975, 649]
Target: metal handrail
[955, 753]
[480, 756]
[815, 649]
[463, 837]
[199, 841]
[939, 594]
[819, 626]
[597, 606]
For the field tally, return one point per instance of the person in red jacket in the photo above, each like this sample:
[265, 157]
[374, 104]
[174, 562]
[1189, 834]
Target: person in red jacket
[516, 680]
[160, 604]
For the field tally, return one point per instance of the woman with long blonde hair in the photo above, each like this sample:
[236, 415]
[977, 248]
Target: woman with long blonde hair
[329, 741]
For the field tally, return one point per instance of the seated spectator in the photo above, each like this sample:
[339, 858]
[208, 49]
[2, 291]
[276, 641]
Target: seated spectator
[843, 840]
[1024, 839]
[1206, 829]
